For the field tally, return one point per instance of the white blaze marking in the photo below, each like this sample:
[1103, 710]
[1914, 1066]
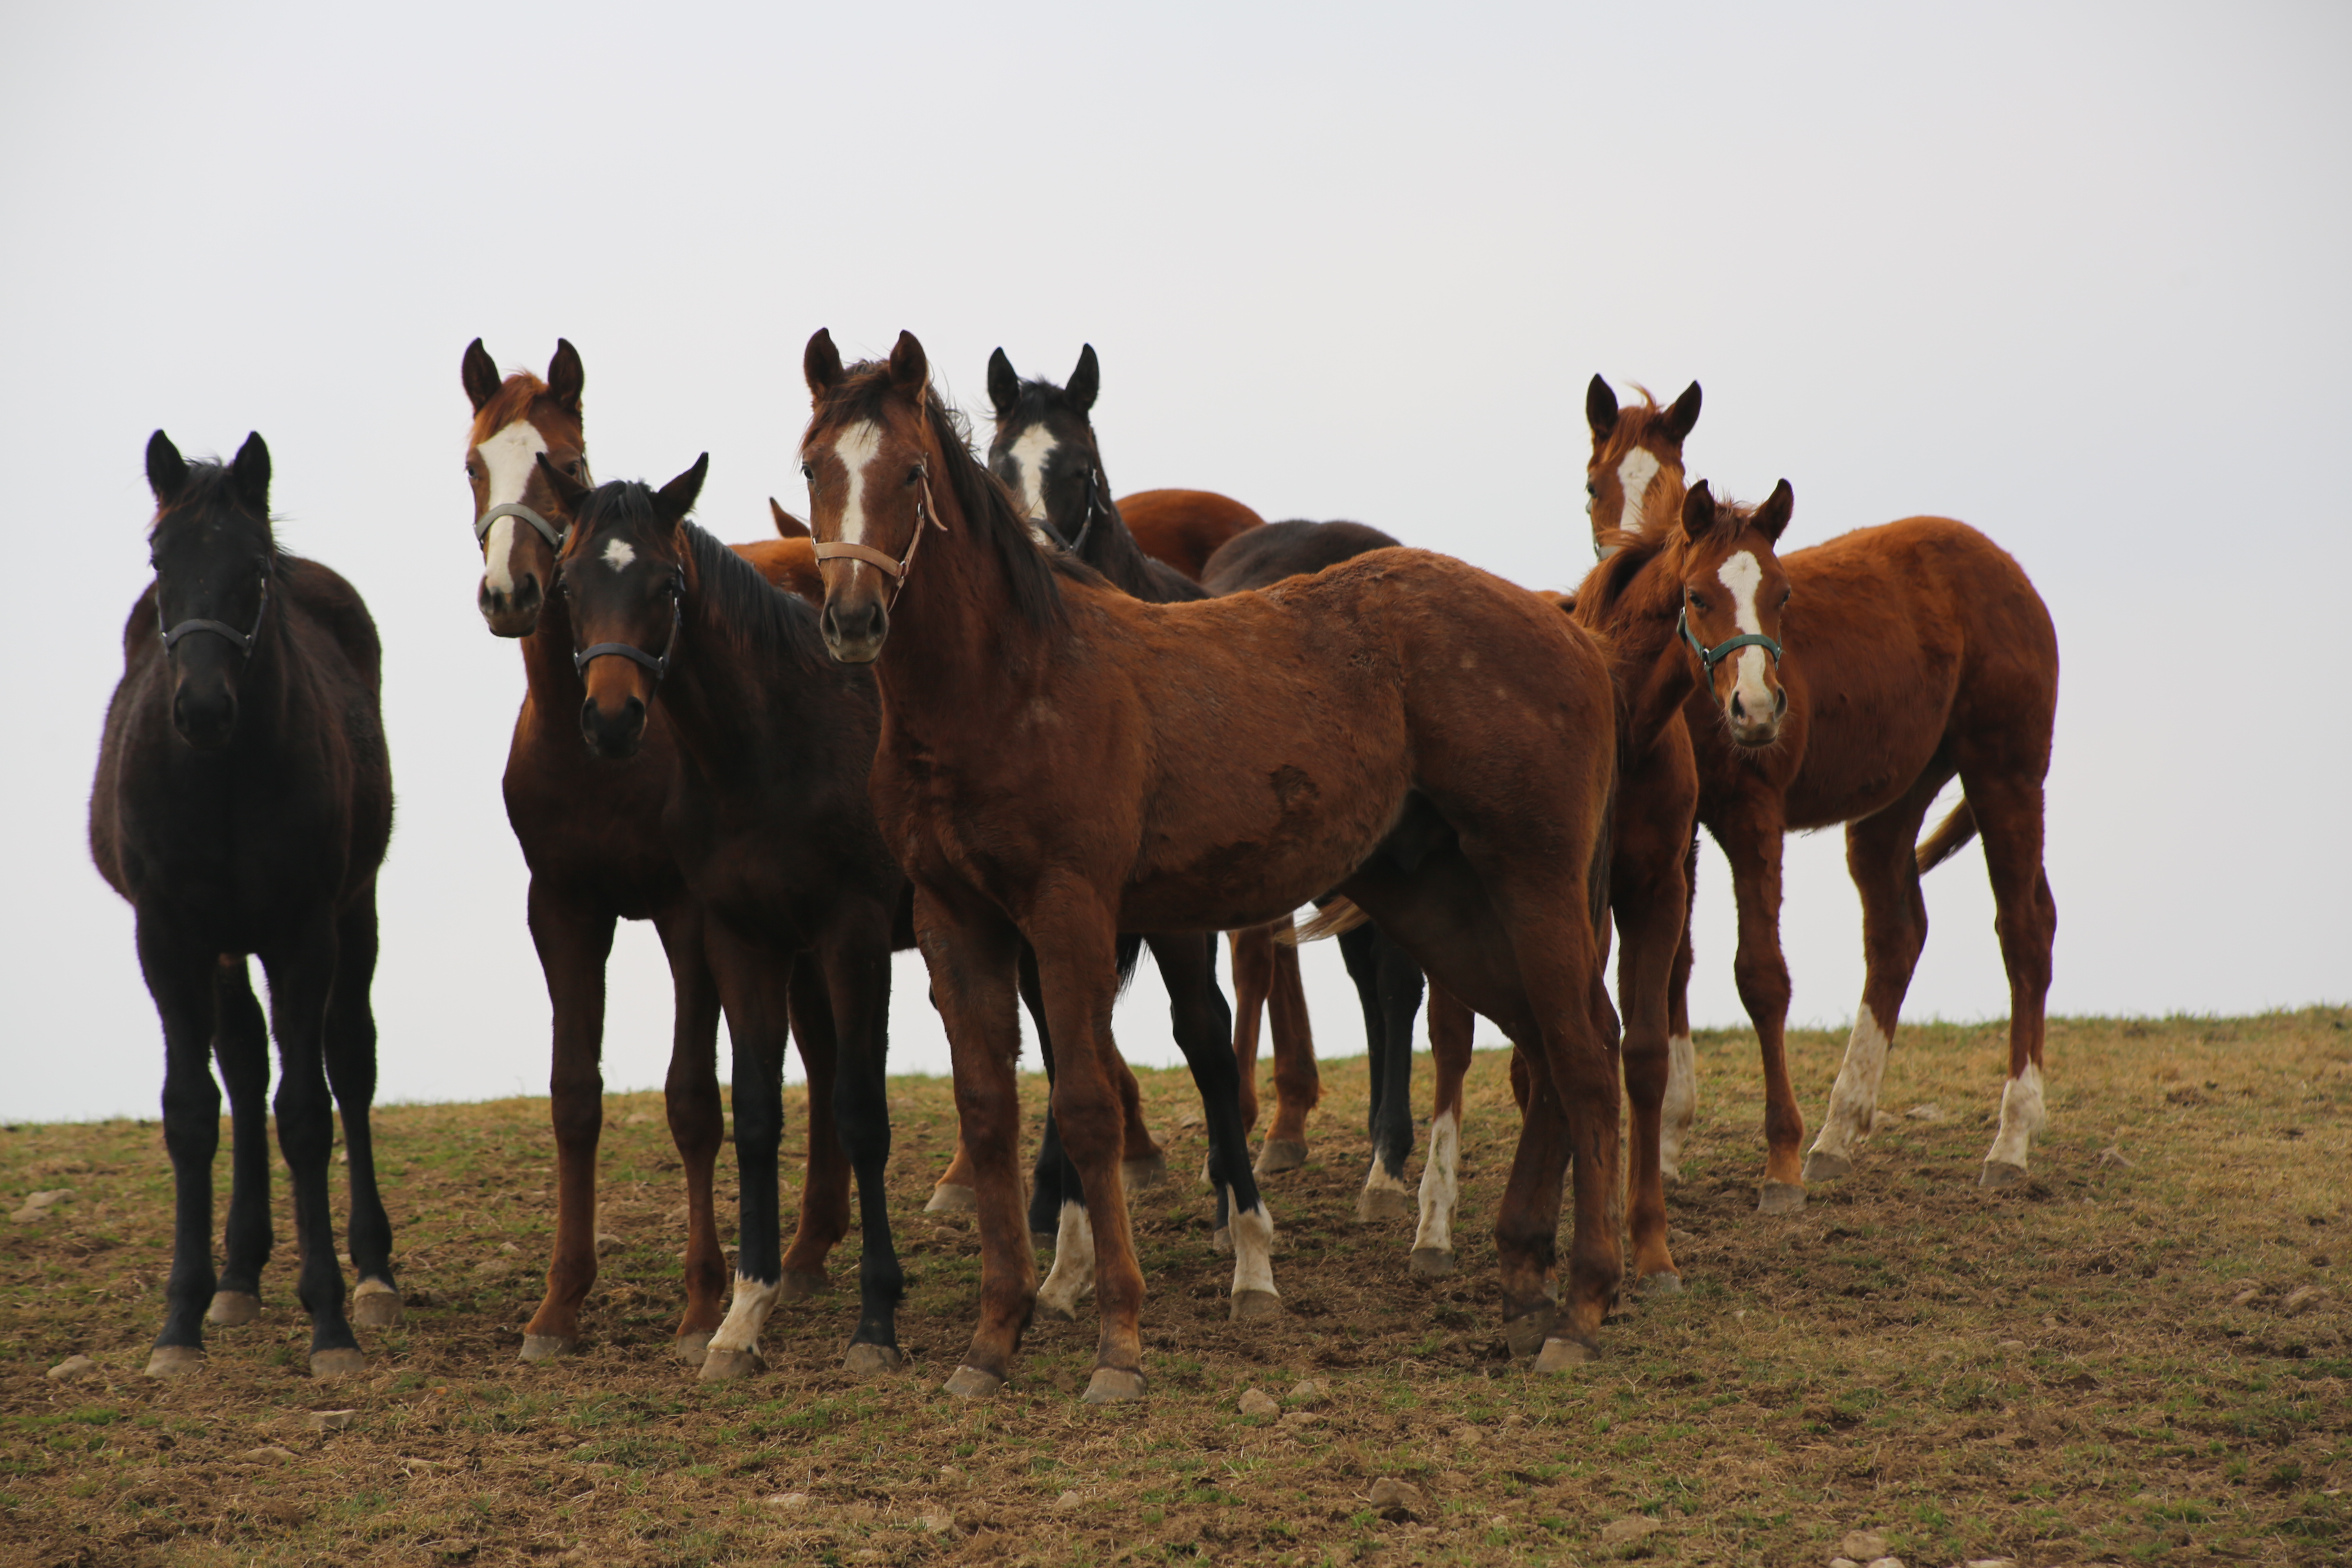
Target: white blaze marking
[509, 459]
[1029, 452]
[1073, 1278]
[746, 1314]
[2021, 1116]
[857, 449]
[1634, 472]
[1679, 1108]
[1440, 1188]
[1853, 1102]
[1742, 574]
[617, 555]
[1252, 1247]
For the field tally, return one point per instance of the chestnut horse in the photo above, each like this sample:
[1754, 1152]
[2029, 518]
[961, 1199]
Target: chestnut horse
[1060, 760]
[591, 834]
[1916, 651]
[242, 805]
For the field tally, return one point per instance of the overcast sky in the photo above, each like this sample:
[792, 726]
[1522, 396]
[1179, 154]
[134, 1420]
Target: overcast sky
[2075, 274]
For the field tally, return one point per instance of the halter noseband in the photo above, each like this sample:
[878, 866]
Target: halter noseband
[631, 651]
[547, 531]
[1710, 657]
[896, 568]
[243, 640]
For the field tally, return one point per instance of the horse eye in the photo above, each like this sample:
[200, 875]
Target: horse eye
[807, 473]
[915, 475]
[1591, 489]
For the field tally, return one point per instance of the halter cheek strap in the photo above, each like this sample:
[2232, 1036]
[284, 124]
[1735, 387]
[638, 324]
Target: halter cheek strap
[1710, 657]
[896, 568]
[243, 640]
[547, 531]
[659, 664]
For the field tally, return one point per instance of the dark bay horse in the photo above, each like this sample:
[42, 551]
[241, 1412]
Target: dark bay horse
[1060, 761]
[1915, 652]
[592, 836]
[773, 830]
[242, 805]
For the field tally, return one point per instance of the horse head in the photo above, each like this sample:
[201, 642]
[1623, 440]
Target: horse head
[1044, 448]
[624, 573]
[867, 459]
[1734, 596]
[515, 422]
[1635, 475]
[214, 557]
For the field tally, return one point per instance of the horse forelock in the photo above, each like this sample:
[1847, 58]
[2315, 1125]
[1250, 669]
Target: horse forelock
[512, 401]
[207, 492]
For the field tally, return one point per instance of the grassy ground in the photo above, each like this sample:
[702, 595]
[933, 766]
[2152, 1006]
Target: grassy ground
[2108, 1366]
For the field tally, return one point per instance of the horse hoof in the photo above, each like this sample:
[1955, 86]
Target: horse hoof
[870, 1360]
[949, 1198]
[338, 1362]
[1664, 1283]
[1781, 1197]
[1280, 1154]
[1221, 1241]
[800, 1284]
[725, 1366]
[1558, 1355]
[376, 1305]
[970, 1382]
[2000, 1174]
[1145, 1173]
[171, 1361]
[1526, 1334]
[233, 1308]
[1254, 1306]
[1061, 1311]
[1670, 1174]
[1376, 1203]
[547, 1347]
[692, 1346]
[1821, 1165]
[1113, 1386]
[1432, 1262]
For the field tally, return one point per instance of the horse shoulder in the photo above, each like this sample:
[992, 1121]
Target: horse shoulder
[331, 603]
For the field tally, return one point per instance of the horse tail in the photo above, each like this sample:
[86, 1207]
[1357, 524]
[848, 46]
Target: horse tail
[1130, 953]
[1951, 835]
[1338, 916]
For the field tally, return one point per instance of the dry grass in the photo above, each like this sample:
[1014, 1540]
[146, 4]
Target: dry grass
[2100, 1368]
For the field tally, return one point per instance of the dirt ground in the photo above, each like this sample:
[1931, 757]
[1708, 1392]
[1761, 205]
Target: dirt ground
[2141, 1355]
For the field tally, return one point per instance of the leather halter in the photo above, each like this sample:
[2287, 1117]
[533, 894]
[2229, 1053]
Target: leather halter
[1710, 657]
[896, 568]
[243, 640]
[547, 531]
[659, 664]
[1094, 506]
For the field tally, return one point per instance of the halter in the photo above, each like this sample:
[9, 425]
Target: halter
[547, 531]
[631, 651]
[243, 640]
[1710, 657]
[895, 568]
[1094, 505]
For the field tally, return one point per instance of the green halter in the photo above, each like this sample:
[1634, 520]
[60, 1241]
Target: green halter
[1710, 657]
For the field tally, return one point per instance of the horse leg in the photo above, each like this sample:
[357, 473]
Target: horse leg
[1189, 964]
[302, 976]
[857, 977]
[698, 1122]
[1296, 1085]
[573, 941]
[1390, 985]
[972, 954]
[1649, 898]
[1882, 858]
[1750, 836]
[2008, 816]
[182, 980]
[350, 1073]
[759, 992]
[1051, 1174]
[1451, 1026]
[1253, 956]
[241, 1046]
[824, 1216]
[1680, 1107]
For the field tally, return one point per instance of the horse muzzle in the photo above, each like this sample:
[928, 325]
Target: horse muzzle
[511, 612]
[853, 633]
[205, 719]
[613, 733]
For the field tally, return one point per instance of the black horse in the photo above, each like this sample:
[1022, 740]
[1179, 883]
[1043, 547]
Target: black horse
[243, 803]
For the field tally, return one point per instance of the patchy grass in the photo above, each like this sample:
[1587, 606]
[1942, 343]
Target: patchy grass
[2099, 1368]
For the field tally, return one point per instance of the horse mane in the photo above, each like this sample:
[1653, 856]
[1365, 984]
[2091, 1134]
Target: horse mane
[512, 402]
[1031, 575]
[206, 487]
[1609, 591]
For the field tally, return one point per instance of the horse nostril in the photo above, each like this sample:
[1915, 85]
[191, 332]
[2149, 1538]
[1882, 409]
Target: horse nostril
[526, 593]
[1780, 703]
[1738, 709]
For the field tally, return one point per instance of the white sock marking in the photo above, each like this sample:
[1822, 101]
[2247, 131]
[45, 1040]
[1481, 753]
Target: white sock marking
[509, 459]
[1853, 1101]
[746, 1314]
[1679, 1108]
[2021, 1116]
[617, 555]
[1634, 472]
[1073, 1278]
[1378, 1180]
[1440, 1185]
[1253, 1246]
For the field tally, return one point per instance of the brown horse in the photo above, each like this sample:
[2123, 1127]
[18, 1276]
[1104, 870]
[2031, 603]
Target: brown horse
[1185, 528]
[1060, 760]
[1916, 651]
[591, 834]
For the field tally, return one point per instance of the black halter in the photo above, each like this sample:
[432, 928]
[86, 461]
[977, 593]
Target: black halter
[243, 640]
[631, 651]
[1086, 525]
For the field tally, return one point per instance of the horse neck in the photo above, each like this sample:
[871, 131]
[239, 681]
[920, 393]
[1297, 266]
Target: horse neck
[958, 645]
[553, 685]
[1647, 665]
[1112, 551]
[725, 702]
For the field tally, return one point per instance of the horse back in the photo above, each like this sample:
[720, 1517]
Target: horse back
[1185, 528]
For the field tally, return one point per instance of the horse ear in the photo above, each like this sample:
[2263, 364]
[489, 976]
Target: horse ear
[821, 364]
[676, 499]
[1772, 518]
[787, 525]
[910, 369]
[480, 375]
[167, 471]
[1698, 512]
[1684, 413]
[1086, 382]
[250, 473]
[1003, 385]
[565, 376]
[569, 491]
[1600, 408]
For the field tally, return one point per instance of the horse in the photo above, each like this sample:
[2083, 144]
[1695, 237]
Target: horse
[242, 805]
[1060, 761]
[772, 831]
[591, 837]
[1916, 651]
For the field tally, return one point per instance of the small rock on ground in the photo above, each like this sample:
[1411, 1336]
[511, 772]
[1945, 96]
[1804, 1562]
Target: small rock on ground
[1930, 1111]
[37, 1205]
[953, 1474]
[1256, 1402]
[1633, 1527]
[2111, 1159]
[1307, 1395]
[330, 1420]
[1992, 1563]
[1298, 1418]
[72, 1367]
[607, 1244]
[1467, 1433]
[1394, 1499]
[268, 1454]
[2302, 1298]
[2247, 1296]
[938, 1523]
[1068, 1500]
[787, 1499]
[1884, 1562]
[1862, 1545]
